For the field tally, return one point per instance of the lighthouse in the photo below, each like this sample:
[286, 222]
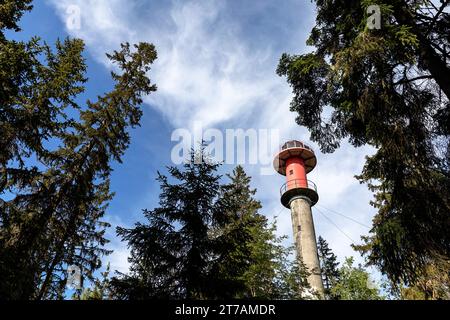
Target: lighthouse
[295, 160]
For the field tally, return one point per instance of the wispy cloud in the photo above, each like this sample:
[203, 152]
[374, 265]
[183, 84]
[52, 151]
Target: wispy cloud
[217, 65]
[205, 72]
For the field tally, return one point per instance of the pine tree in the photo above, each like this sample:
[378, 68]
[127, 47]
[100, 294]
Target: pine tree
[388, 88]
[328, 265]
[172, 253]
[53, 219]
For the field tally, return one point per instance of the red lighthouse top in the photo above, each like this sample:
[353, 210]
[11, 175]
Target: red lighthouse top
[295, 149]
[295, 160]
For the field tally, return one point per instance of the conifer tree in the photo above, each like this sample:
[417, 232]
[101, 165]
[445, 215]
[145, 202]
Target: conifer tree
[235, 234]
[433, 284]
[292, 279]
[252, 253]
[262, 278]
[328, 265]
[172, 253]
[52, 216]
[206, 240]
[387, 87]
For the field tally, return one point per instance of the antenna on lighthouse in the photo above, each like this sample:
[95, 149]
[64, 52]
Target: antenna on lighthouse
[295, 160]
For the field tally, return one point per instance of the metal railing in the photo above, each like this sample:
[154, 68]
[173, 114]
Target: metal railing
[298, 183]
[296, 144]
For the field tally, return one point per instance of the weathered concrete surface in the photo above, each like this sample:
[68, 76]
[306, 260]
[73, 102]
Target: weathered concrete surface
[305, 241]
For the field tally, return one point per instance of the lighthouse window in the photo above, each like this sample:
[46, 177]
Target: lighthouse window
[291, 172]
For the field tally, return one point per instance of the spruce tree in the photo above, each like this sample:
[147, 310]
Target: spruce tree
[328, 265]
[173, 251]
[389, 88]
[252, 253]
[54, 168]
[207, 240]
[235, 235]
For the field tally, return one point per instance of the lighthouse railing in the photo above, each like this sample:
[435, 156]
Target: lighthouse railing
[295, 144]
[298, 184]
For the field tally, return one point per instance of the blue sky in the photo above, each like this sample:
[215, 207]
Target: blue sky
[217, 62]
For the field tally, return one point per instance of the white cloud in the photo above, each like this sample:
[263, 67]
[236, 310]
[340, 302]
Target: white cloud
[118, 259]
[204, 71]
[207, 71]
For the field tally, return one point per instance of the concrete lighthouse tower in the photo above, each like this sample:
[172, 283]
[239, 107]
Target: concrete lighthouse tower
[294, 161]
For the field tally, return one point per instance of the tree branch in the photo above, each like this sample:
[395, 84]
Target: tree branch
[441, 9]
[403, 81]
